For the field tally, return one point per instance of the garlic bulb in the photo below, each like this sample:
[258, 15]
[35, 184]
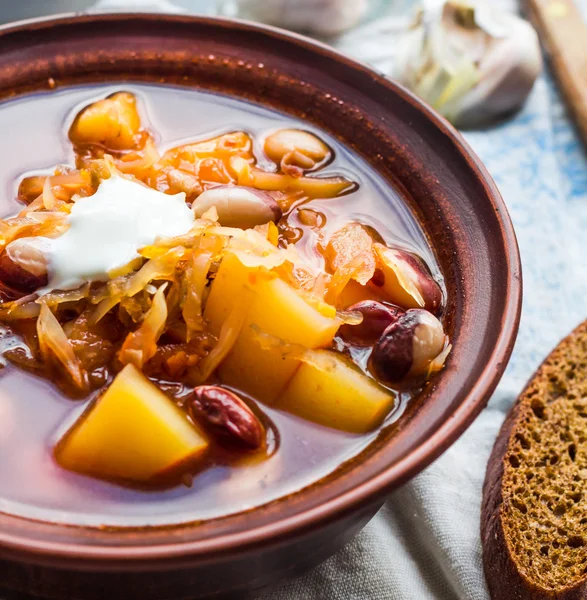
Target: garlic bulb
[320, 17]
[135, 6]
[470, 61]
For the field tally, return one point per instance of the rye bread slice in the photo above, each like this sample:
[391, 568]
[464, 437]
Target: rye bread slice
[534, 513]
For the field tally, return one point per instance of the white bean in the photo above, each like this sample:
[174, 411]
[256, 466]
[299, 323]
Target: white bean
[238, 206]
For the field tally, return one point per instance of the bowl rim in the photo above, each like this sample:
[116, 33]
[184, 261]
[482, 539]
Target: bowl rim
[394, 475]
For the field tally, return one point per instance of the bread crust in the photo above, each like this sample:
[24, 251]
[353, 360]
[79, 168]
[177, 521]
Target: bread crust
[504, 578]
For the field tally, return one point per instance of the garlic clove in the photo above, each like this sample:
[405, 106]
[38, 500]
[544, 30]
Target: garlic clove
[238, 206]
[504, 82]
[321, 17]
[470, 61]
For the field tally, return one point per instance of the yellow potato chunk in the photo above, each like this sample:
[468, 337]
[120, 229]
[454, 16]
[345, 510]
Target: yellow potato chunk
[280, 311]
[113, 122]
[354, 292]
[227, 289]
[133, 433]
[329, 390]
[275, 309]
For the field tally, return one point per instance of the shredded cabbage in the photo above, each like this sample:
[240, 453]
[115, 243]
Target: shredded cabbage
[226, 340]
[151, 310]
[314, 187]
[57, 297]
[111, 294]
[196, 278]
[55, 346]
[49, 200]
[48, 224]
[141, 345]
[14, 311]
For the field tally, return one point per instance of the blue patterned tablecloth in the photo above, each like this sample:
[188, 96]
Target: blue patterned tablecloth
[425, 542]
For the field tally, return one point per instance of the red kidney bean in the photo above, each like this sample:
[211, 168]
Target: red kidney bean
[376, 318]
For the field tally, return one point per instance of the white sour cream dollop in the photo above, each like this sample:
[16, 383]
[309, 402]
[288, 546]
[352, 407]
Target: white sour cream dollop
[106, 231]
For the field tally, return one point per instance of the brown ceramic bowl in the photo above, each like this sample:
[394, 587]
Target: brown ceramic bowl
[447, 188]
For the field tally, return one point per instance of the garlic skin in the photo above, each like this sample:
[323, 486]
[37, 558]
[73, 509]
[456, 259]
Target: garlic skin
[320, 17]
[135, 6]
[470, 61]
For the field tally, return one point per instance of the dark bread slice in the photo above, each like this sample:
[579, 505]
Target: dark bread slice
[534, 513]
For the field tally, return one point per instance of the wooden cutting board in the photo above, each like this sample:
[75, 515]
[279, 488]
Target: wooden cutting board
[564, 36]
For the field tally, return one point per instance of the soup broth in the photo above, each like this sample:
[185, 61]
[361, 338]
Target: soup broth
[35, 414]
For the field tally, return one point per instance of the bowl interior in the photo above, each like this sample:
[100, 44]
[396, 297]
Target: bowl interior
[420, 154]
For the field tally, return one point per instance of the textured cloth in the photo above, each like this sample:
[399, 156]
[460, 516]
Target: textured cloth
[425, 542]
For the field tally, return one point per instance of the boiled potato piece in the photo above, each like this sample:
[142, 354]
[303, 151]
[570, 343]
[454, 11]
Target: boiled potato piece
[353, 292]
[280, 311]
[275, 309]
[113, 122]
[132, 433]
[227, 289]
[329, 390]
